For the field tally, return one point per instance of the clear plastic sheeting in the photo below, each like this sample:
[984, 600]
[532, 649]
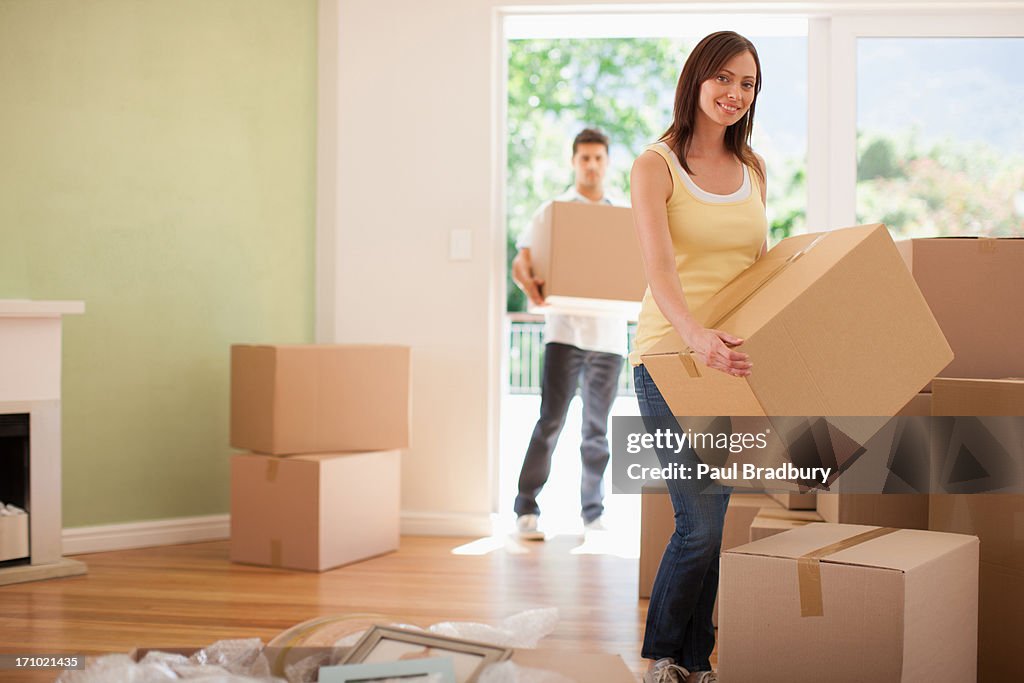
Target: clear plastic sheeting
[226, 661]
[524, 629]
[245, 661]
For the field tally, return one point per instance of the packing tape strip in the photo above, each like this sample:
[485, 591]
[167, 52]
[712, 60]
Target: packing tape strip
[809, 569]
[689, 364]
[272, 470]
[275, 552]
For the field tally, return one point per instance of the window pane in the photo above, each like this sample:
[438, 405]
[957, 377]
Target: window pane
[940, 135]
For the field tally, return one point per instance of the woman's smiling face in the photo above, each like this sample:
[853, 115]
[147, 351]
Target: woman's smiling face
[726, 96]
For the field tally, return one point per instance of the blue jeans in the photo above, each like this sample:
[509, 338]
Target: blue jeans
[564, 367]
[683, 598]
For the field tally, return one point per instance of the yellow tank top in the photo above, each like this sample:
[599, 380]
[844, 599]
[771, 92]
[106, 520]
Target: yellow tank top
[714, 238]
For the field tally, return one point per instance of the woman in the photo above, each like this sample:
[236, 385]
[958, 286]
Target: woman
[698, 205]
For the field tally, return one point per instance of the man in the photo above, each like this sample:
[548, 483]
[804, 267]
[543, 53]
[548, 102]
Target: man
[587, 347]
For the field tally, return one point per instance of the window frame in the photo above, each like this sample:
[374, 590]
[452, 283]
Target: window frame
[834, 139]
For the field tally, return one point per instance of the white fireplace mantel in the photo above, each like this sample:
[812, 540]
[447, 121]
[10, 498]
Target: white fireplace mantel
[29, 308]
[30, 382]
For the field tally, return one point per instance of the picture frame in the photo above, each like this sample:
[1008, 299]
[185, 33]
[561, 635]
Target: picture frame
[410, 669]
[389, 644]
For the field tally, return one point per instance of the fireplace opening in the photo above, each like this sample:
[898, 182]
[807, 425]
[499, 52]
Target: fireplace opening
[14, 489]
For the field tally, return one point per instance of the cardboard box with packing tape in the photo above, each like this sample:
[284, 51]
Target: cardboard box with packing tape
[589, 259]
[834, 325]
[314, 512]
[850, 603]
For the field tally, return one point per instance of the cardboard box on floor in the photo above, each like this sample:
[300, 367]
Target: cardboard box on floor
[771, 522]
[826, 601]
[815, 313]
[969, 284]
[998, 520]
[314, 512]
[589, 259]
[319, 398]
[901, 510]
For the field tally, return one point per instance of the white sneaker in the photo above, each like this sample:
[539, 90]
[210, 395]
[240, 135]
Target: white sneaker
[526, 528]
[666, 671]
[594, 525]
[703, 677]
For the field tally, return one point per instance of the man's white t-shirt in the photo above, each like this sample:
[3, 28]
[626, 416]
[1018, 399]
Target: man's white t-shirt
[605, 332]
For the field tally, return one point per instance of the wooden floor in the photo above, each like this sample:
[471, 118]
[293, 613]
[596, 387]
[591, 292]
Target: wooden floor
[191, 595]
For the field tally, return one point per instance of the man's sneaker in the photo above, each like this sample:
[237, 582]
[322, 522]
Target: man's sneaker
[526, 528]
[703, 677]
[666, 671]
[594, 525]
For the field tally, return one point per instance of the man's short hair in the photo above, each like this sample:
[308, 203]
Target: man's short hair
[589, 136]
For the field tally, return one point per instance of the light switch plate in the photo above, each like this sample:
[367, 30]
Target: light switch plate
[460, 245]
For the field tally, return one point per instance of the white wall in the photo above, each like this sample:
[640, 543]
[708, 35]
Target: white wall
[414, 159]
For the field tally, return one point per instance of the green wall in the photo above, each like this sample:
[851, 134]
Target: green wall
[157, 160]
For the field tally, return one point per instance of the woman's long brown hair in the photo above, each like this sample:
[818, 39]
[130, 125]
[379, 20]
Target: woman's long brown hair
[704, 62]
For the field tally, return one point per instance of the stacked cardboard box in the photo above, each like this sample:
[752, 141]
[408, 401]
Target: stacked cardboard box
[325, 424]
[589, 259]
[904, 511]
[971, 285]
[850, 603]
[771, 522]
[998, 520]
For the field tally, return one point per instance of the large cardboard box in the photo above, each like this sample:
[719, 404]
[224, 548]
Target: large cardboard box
[589, 258]
[998, 520]
[904, 511]
[817, 314]
[971, 285]
[319, 398]
[314, 512]
[900, 510]
[982, 397]
[849, 603]
[771, 522]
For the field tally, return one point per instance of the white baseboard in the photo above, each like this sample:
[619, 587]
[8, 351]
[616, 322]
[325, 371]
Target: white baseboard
[107, 537]
[445, 524]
